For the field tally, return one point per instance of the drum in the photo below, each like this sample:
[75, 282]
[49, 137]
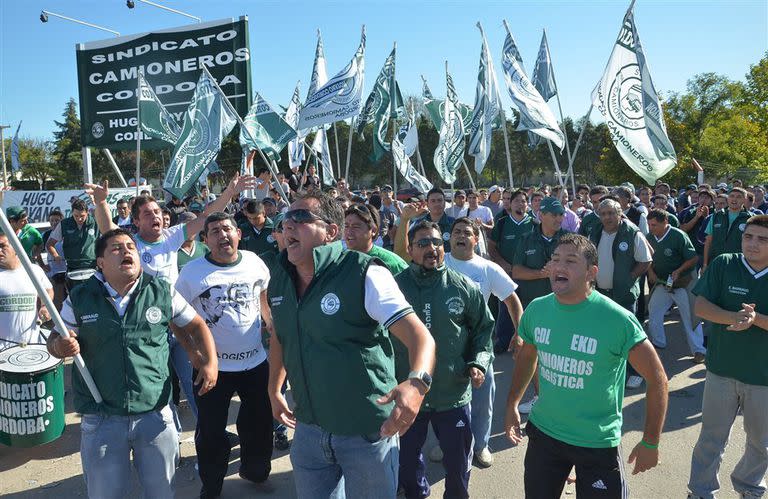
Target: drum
[77, 277]
[31, 396]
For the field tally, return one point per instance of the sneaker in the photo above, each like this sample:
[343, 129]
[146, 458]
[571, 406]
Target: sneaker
[526, 407]
[484, 458]
[693, 496]
[634, 382]
[436, 454]
[699, 358]
[281, 441]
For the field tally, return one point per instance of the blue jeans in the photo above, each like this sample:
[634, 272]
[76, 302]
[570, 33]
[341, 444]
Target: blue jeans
[338, 466]
[482, 410]
[505, 329]
[183, 368]
[106, 444]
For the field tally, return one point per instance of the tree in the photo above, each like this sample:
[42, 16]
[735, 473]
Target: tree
[67, 145]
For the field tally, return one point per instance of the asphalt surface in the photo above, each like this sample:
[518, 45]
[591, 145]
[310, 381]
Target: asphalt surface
[54, 470]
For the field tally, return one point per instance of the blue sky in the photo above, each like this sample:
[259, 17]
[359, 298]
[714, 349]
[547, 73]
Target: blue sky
[681, 38]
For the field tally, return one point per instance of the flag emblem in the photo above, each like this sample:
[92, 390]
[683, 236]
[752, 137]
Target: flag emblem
[625, 98]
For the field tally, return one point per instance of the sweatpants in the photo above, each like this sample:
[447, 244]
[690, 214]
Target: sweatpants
[453, 431]
[254, 427]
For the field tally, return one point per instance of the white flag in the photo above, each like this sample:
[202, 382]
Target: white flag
[487, 108]
[15, 161]
[341, 97]
[403, 162]
[409, 137]
[320, 146]
[450, 148]
[628, 101]
[535, 114]
[295, 146]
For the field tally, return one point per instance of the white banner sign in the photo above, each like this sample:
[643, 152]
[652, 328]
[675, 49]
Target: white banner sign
[39, 204]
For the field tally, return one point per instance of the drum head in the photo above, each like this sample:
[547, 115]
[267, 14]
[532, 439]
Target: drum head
[29, 359]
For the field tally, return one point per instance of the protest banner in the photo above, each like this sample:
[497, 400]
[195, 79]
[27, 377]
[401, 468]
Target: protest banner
[39, 204]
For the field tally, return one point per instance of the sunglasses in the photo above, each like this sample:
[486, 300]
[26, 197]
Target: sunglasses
[303, 216]
[434, 241]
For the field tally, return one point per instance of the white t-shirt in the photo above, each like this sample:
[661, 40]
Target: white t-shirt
[181, 313]
[483, 213]
[160, 258]
[227, 297]
[384, 302]
[18, 305]
[605, 257]
[456, 211]
[489, 276]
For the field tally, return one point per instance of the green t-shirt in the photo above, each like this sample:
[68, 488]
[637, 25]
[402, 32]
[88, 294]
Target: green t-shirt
[728, 282]
[200, 249]
[671, 251]
[391, 260]
[507, 232]
[673, 220]
[30, 237]
[582, 353]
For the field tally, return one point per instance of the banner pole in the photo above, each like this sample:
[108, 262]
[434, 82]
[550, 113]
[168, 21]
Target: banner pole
[114, 167]
[248, 132]
[578, 143]
[336, 141]
[138, 135]
[554, 161]
[506, 149]
[469, 174]
[349, 150]
[562, 119]
[61, 327]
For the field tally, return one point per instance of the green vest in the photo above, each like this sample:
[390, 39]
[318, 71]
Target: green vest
[626, 289]
[258, 243]
[533, 252]
[127, 356]
[339, 360]
[727, 238]
[79, 244]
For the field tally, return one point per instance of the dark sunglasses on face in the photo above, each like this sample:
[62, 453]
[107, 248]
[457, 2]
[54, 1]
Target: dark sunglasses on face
[303, 216]
[434, 241]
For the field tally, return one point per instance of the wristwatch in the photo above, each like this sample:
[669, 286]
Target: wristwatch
[423, 377]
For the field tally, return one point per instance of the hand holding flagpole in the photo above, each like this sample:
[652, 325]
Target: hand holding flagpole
[61, 327]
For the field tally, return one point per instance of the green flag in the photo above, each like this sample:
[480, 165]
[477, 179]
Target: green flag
[207, 121]
[269, 130]
[154, 119]
[450, 149]
[381, 105]
[435, 107]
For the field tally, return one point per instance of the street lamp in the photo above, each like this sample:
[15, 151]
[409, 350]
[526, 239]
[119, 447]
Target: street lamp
[44, 19]
[132, 4]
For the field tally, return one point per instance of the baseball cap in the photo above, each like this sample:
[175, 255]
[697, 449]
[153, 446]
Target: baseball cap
[387, 188]
[196, 207]
[494, 188]
[691, 187]
[185, 217]
[460, 192]
[15, 212]
[269, 200]
[552, 205]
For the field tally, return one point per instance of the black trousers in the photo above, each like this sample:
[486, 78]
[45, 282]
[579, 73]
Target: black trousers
[254, 427]
[548, 461]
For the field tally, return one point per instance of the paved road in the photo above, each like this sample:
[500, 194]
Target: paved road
[54, 470]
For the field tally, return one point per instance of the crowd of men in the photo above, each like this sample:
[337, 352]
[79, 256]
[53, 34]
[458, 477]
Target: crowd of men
[384, 316]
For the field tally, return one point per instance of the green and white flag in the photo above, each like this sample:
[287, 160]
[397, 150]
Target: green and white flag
[319, 71]
[450, 148]
[323, 153]
[628, 101]
[436, 109]
[207, 121]
[154, 119]
[295, 146]
[487, 108]
[543, 76]
[535, 114]
[403, 162]
[267, 128]
[15, 152]
[341, 97]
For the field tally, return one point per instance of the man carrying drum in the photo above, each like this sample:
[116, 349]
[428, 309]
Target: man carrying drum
[118, 321]
[78, 234]
[18, 299]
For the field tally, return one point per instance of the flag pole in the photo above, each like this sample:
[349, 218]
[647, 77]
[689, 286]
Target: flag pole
[560, 108]
[578, 141]
[2, 146]
[506, 147]
[119, 174]
[469, 174]
[248, 132]
[554, 161]
[138, 131]
[336, 140]
[349, 150]
[61, 327]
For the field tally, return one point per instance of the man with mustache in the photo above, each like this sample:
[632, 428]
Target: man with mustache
[237, 282]
[118, 322]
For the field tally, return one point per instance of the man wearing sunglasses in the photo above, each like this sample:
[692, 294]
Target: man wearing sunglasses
[361, 227]
[454, 311]
[333, 310]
